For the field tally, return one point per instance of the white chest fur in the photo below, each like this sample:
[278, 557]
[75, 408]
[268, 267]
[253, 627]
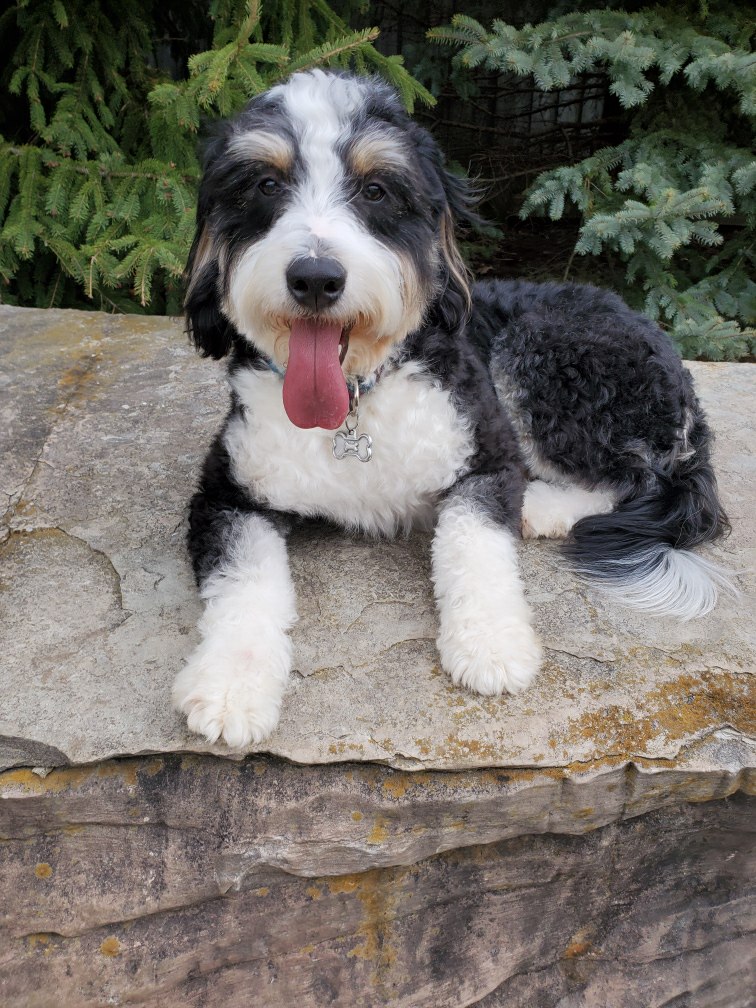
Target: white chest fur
[420, 447]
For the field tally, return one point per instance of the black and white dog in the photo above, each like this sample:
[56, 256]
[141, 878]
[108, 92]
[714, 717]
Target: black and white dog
[325, 264]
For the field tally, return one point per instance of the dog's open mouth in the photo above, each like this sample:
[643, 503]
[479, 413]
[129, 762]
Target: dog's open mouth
[315, 392]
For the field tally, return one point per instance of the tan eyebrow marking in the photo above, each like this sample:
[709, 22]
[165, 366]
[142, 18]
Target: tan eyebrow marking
[260, 145]
[372, 152]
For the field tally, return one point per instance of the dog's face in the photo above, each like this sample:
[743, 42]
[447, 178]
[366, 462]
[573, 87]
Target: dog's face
[324, 234]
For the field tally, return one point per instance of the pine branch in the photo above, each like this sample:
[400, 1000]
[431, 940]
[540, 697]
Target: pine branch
[658, 200]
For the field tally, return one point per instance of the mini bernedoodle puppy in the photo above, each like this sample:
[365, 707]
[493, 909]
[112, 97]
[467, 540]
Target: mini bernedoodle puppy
[374, 386]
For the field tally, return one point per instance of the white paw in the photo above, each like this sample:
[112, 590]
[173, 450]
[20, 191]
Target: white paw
[504, 661]
[550, 511]
[543, 512]
[232, 694]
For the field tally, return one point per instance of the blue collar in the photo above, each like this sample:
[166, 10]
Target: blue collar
[363, 384]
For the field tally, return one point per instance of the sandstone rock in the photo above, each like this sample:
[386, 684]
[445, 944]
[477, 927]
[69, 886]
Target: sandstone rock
[192, 881]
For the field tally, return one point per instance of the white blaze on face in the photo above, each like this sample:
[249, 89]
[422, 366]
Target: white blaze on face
[320, 108]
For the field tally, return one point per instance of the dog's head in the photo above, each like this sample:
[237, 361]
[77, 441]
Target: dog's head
[325, 235]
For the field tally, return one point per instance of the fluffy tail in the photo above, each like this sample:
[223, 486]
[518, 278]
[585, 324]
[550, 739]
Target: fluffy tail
[641, 551]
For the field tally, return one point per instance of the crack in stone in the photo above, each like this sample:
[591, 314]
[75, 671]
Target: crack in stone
[41, 529]
[392, 647]
[580, 657]
[156, 574]
[377, 602]
[121, 921]
[119, 824]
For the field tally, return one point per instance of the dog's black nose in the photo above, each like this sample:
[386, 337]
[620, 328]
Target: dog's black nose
[315, 283]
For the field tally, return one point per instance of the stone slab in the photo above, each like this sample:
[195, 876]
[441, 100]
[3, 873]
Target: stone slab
[103, 423]
[180, 881]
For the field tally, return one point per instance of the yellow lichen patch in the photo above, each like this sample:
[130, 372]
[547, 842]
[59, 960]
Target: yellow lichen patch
[43, 870]
[307, 949]
[580, 943]
[577, 948]
[343, 884]
[31, 783]
[75, 379]
[110, 947]
[65, 778]
[369, 775]
[379, 833]
[397, 785]
[313, 892]
[26, 509]
[386, 744]
[455, 698]
[469, 748]
[126, 769]
[340, 748]
[262, 891]
[357, 816]
[38, 940]
[379, 892]
[674, 710]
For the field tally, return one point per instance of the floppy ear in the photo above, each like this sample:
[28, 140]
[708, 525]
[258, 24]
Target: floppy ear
[456, 299]
[208, 328]
[453, 200]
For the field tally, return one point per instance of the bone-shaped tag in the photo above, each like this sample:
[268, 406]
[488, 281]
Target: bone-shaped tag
[361, 446]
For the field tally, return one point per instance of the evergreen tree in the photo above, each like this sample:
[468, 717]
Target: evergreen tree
[99, 124]
[676, 201]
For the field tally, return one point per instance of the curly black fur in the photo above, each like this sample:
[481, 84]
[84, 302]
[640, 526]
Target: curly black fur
[601, 393]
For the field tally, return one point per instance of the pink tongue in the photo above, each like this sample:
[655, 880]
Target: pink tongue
[315, 393]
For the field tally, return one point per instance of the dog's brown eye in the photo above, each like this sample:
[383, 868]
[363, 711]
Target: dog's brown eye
[269, 186]
[373, 192]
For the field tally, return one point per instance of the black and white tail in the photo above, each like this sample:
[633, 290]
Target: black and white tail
[641, 551]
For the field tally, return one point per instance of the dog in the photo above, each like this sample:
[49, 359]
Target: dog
[374, 386]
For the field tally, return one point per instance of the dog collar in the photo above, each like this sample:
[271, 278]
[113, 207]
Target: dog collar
[363, 384]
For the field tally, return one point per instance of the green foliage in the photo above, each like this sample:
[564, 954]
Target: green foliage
[676, 201]
[98, 143]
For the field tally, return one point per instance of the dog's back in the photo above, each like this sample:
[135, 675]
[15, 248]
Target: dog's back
[602, 404]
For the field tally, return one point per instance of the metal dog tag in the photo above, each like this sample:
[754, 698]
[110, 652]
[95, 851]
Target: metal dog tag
[360, 446]
[350, 442]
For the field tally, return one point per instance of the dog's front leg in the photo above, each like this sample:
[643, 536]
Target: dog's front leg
[486, 641]
[233, 684]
